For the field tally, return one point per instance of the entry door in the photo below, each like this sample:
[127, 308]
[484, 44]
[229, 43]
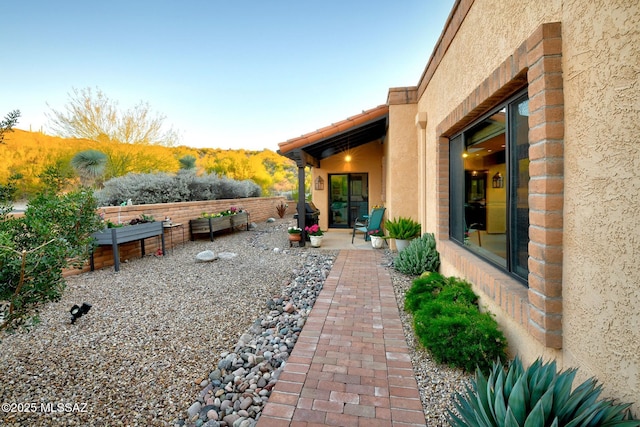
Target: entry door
[348, 198]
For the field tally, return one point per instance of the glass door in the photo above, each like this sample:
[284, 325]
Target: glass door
[348, 199]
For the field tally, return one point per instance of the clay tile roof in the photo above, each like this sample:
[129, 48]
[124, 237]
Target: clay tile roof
[323, 134]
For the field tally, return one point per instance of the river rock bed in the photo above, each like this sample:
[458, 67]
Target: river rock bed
[236, 391]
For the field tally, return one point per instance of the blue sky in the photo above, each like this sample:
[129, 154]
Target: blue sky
[226, 74]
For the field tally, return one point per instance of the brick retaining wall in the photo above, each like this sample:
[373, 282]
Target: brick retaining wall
[259, 208]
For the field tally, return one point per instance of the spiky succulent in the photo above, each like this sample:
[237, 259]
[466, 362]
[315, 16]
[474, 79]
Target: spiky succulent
[536, 397]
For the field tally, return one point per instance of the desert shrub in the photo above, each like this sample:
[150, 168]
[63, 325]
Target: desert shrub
[458, 334]
[423, 289]
[430, 286]
[448, 322]
[420, 256]
[458, 291]
[201, 188]
[538, 396]
[167, 188]
[231, 189]
[9, 191]
[54, 234]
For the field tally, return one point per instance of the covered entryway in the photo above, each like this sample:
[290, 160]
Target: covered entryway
[347, 159]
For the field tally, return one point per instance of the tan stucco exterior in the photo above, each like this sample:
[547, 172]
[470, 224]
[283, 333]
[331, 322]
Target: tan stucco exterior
[578, 63]
[364, 159]
[600, 239]
[601, 283]
[400, 162]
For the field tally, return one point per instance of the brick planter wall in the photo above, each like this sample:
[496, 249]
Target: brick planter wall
[259, 208]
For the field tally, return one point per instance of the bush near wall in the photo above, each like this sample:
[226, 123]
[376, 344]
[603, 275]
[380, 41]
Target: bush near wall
[448, 323]
[259, 208]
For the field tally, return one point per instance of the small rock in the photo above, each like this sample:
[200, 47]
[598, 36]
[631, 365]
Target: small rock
[215, 375]
[194, 409]
[206, 256]
[227, 255]
[245, 403]
[230, 419]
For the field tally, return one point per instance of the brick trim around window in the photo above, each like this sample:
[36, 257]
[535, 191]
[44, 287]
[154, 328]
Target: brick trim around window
[537, 63]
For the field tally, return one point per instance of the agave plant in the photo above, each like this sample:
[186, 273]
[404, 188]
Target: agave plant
[536, 397]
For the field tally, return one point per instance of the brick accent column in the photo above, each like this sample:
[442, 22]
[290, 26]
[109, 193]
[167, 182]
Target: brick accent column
[537, 62]
[546, 185]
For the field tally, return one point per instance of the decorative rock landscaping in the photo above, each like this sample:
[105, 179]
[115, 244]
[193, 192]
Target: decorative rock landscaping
[175, 341]
[238, 388]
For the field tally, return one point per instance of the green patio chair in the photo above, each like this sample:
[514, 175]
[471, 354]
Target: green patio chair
[367, 223]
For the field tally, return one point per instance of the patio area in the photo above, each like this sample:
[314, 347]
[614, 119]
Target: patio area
[340, 239]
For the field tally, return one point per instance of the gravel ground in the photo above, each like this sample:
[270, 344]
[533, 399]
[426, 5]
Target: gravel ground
[156, 329]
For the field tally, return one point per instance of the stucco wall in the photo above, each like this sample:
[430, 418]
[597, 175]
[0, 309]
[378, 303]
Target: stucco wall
[364, 159]
[401, 164]
[477, 49]
[601, 238]
[601, 283]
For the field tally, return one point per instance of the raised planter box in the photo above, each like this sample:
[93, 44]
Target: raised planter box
[129, 233]
[211, 225]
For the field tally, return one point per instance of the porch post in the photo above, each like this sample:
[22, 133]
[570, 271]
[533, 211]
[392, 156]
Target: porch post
[302, 211]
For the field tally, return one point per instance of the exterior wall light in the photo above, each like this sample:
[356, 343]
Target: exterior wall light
[347, 158]
[77, 311]
[319, 183]
[497, 181]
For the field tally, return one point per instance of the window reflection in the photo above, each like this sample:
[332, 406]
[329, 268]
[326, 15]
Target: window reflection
[485, 194]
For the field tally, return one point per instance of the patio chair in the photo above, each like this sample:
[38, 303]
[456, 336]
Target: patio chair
[367, 223]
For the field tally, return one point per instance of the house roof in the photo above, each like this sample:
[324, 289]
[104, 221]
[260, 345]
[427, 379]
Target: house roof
[370, 125]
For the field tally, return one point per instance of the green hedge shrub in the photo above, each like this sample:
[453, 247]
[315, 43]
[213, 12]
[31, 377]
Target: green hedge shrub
[448, 322]
[423, 289]
[536, 397]
[420, 256]
[458, 334]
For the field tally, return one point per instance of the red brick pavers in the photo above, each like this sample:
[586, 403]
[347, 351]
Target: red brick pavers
[351, 364]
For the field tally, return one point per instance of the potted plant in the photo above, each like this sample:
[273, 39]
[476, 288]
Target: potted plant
[403, 230]
[377, 238]
[315, 235]
[295, 234]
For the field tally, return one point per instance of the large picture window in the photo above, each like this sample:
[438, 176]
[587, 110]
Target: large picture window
[489, 178]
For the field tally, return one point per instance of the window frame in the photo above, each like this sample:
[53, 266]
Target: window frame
[457, 144]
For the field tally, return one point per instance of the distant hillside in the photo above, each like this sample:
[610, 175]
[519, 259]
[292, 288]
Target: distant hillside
[30, 153]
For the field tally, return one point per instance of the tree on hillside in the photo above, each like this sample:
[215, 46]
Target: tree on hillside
[8, 123]
[94, 116]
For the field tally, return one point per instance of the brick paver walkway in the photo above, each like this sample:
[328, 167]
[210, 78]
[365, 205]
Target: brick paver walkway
[351, 364]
